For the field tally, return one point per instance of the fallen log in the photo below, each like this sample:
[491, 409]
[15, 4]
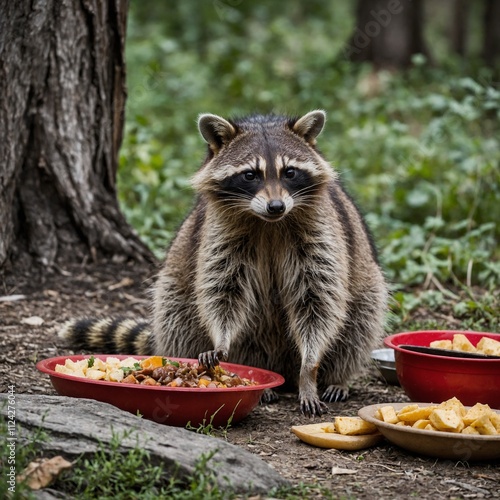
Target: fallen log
[76, 427]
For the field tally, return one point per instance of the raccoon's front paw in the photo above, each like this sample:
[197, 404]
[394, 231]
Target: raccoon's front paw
[335, 393]
[312, 407]
[210, 359]
[269, 396]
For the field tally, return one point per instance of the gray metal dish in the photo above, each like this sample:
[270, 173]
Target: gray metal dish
[386, 365]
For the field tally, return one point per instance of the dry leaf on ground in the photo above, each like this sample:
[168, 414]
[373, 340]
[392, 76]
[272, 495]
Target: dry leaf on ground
[41, 473]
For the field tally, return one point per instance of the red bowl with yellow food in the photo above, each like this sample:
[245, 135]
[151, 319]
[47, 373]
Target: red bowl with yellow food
[176, 406]
[431, 377]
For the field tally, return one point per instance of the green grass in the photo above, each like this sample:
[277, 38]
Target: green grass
[207, 427]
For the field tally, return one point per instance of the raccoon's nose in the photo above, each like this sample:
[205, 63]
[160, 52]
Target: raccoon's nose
[275, 207]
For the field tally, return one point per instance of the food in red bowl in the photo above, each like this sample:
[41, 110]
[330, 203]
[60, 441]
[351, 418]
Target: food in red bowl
[175, 406]
[433, 378]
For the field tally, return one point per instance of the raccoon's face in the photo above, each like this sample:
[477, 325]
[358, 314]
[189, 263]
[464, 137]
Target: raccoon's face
[263, 165]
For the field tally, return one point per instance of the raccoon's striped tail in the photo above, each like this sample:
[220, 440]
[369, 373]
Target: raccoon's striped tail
[108, 336]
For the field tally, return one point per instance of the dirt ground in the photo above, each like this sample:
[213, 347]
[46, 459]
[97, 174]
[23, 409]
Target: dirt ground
[384, 471]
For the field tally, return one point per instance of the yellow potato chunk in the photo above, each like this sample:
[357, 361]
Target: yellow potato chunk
[113, 361]
[462, 343]
[421, 424]
[329, 428]
[63, 369]
[93, 374]
[470, 430]
[453, 404]
[408, 408]
[477, 411]
[77, 373]
[495, 420]
[442, 344]
[446, 420]
[488, 346]
[389, 415]
[116, 375]
[449, 416]
[484, 426]
[353, 426]
[417, 414]
[99, 364]
[76, 365]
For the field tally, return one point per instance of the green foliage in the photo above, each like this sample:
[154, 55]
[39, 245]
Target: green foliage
[208, 428]
[112, 474]
[25, 450]
[419, 150]
[435, 310]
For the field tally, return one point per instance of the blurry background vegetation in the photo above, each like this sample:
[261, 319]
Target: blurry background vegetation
[418, 149]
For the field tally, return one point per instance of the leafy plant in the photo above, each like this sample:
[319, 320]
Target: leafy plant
[112, 474]
[25, 450]
[209, 429]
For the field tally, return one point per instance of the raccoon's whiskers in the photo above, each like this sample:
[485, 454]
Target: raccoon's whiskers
[305, 191]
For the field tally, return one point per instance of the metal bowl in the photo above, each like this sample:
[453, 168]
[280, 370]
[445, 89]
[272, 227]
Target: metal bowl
[384, 360]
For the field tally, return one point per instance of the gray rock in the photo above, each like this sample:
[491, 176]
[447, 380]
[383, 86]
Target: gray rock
[77, 426]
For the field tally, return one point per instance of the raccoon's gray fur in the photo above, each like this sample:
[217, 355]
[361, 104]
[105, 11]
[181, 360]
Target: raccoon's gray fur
[274, 267]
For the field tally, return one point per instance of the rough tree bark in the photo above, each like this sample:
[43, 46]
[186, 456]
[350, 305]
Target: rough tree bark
[458, 27]
[62, 95]
[491, 41]
[387, 33]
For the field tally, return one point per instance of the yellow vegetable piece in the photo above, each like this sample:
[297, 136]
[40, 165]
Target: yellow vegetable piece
[448, 416]
[316, 435]
[417, 414]
[442, 344]
[470, 430]
[462, 343]
[477, 411]
[353, 426]
[408, 408]
[484, 426]
[446, 420]
[152, 362]
[453, 404]
[495, 420]
[489, 346]
[421, 424]
[388, 414]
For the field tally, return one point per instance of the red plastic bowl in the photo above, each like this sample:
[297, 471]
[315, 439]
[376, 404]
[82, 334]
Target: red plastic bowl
[433, 378]
[168, 405]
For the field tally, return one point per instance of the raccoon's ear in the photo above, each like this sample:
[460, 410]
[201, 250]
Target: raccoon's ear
[215, 130]
[310, 125]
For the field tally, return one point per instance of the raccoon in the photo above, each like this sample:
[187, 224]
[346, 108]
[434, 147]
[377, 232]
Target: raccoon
[274, 267]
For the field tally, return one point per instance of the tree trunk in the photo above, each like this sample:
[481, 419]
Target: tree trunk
[458, 28]
[491, 41]
[387, 33]
[62, 96]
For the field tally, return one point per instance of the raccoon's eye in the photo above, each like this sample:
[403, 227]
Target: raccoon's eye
[250, 175]
[290, 172]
